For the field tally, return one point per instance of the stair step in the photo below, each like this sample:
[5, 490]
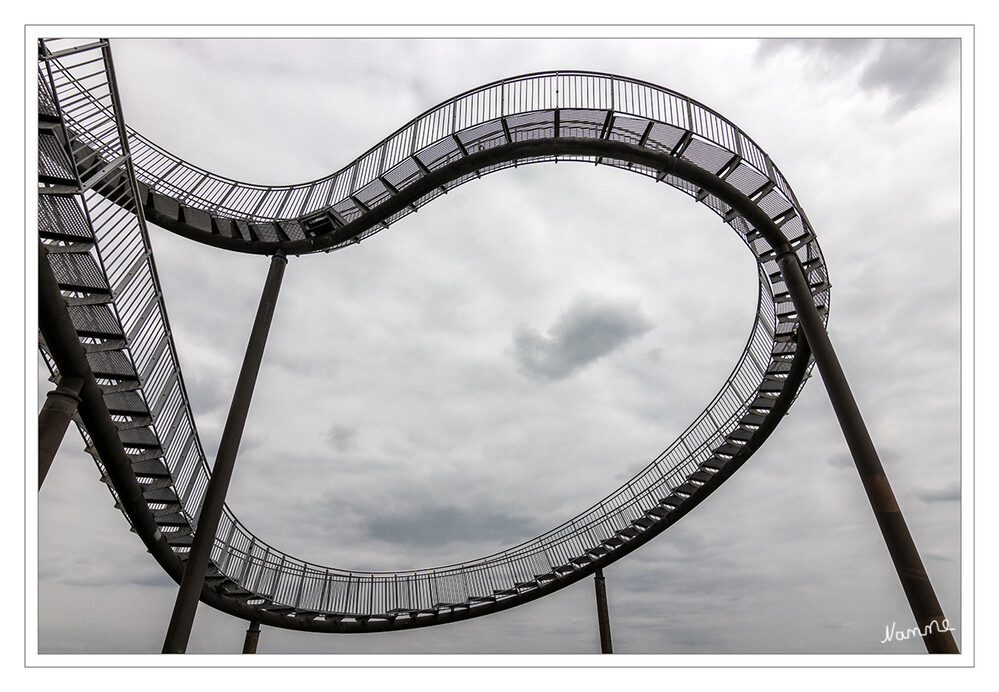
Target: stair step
[167, 510]
[175, 531]
[644, 522]
[96, 321]
[727, 449]
[48, 121]
[186, 539]
[150, 468]
[139, 437]
[172, 519]
[151, 453]
[78, 271]
[740, 435]
[162, 496]
[104, 345]
[752, 419]
[714, 464]
[137, 422]
[452, 606]
[88, 299]
[399, 612]
[128, 403]
[53, 159]
[762, 402]
[236, 591]
[701, 476]
[71, 244]
[112, 365]
[686, 489]
[153, 483]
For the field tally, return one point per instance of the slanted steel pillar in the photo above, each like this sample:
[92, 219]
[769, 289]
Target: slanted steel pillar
[53, 419]
[252, 637]
[193, 581]
[915, 582]
[603, 616]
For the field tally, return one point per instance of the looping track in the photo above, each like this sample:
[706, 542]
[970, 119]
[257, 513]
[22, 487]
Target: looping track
[99, 181]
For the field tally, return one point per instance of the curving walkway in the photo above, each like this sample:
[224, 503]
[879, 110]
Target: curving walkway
[99, 182]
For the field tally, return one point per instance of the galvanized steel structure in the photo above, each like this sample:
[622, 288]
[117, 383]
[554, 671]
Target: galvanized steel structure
[99, 182]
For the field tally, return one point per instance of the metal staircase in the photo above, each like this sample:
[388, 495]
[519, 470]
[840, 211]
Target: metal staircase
[99, 182]
[92, 239]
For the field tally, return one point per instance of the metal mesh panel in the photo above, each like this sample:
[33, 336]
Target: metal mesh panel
[78, 271]
[116, 363]
[52, 158]
[62, 217]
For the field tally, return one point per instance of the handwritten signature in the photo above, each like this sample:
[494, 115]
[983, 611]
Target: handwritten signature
[892, 634]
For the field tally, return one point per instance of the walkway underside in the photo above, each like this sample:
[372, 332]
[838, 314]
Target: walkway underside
[104, 317]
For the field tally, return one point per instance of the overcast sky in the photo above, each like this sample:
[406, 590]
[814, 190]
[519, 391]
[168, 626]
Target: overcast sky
[489, 367]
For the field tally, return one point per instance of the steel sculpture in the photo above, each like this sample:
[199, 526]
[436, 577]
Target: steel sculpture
[104, 322]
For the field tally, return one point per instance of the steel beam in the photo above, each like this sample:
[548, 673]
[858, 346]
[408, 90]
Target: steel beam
[915, 582]
[179, 631]
[252, 637]
[60, 406]
[603, 615]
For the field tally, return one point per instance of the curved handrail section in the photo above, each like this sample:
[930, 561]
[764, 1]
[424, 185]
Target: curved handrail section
[300, 218]
[576, 116]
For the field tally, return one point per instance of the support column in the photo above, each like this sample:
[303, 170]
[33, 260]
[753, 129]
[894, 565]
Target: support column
[60, 405]
[252, 637]
[179, 631]
[603, 616]
[915, 582]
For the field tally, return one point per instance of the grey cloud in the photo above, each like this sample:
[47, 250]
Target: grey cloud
[585, 332]
[438, 525]
[209, 392]
[342, 437]
[947, 494]
[910, 71]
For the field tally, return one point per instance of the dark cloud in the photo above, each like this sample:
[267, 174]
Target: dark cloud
[909, 71]
[585, 332]
[950, 493]
[342, 437]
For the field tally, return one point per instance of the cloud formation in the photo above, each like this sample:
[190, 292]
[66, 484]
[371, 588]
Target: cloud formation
[426, 525]
[589, 329]
[908, 71]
